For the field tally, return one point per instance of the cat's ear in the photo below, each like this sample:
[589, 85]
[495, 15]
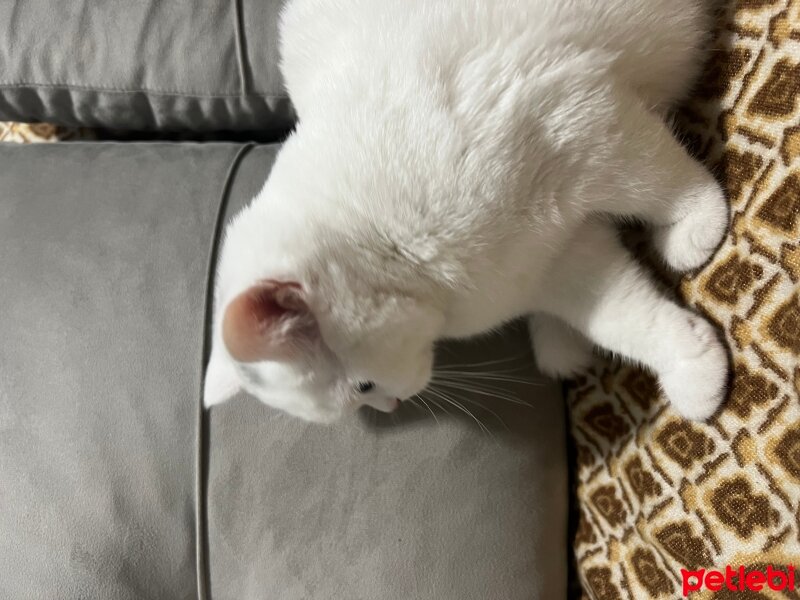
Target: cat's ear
[269, 321]
[222, 380]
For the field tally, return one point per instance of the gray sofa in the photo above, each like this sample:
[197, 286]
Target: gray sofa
[114, 483]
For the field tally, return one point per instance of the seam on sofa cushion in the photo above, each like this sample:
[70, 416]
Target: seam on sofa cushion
[241, 47]
[201, 441]
[89, 88]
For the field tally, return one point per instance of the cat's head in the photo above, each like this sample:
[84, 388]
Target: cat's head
[283, 346]
[334, 284]
[316, 333]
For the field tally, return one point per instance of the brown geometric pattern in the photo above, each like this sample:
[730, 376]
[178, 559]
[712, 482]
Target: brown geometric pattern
[656, 493]
[24, 133]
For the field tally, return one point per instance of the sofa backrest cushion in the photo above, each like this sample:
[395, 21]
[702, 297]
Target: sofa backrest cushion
[144, 65]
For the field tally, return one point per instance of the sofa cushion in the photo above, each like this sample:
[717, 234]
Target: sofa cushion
[103, 282]
[143, 65]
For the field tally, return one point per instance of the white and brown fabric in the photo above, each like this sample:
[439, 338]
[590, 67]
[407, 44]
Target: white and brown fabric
[24, 133]
[657, 494]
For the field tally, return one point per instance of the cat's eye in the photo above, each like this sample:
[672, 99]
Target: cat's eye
[364, 387]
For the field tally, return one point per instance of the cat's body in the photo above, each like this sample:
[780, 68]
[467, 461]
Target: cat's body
[446, 175]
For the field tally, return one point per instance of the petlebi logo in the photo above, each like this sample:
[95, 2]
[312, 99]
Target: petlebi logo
[739, 579]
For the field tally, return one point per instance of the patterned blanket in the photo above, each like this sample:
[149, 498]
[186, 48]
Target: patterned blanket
[657, 494]
[25, 133]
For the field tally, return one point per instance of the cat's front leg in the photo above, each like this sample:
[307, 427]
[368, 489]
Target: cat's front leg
[560, 351]
[656, 180]
[597, 288]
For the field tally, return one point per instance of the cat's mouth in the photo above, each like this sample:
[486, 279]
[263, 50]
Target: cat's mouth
[386, 405]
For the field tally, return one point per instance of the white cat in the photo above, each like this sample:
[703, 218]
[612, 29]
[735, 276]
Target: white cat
[450, 171]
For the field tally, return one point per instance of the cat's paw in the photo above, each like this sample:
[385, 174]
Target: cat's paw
[564, 358]
[690, 242]
[697, 384]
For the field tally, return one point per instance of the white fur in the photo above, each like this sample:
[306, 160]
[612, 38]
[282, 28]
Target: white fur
[450, 159]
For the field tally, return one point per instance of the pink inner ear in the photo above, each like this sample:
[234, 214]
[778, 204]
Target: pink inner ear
[269, 321]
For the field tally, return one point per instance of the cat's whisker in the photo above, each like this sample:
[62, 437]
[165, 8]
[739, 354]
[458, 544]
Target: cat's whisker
[433, 414]
[461, 407]
[437, 404]
[468, 369]
[487, 376]
[485, 363]
[482, 390]
[473, 386]
[490, 395]
[491, 382]
[415, 404]
[487, 409]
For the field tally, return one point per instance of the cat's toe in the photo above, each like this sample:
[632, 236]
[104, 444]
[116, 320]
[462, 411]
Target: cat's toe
[692, 240]
[566, 359]
[697, 384]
